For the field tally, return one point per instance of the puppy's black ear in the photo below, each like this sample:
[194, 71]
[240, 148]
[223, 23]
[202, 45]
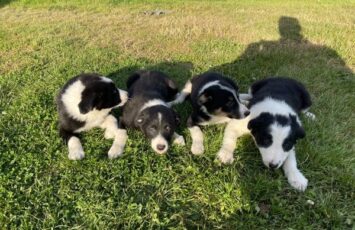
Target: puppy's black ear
[253, 124]
[300, 133]
[86, 104]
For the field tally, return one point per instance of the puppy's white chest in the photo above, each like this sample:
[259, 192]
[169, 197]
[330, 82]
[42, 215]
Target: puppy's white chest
[94, 119]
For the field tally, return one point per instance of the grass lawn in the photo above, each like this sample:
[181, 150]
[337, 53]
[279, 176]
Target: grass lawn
[43, 44]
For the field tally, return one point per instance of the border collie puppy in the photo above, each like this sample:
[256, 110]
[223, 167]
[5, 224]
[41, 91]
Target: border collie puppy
[85, 102]
[214, 100]
[275, 104]
[148, 109]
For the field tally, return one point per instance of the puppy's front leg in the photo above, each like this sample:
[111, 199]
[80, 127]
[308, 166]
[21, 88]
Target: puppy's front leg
[196, 135]
[178, 139]
[197, 147]
[76, 151]
[119, 135]
[75, 148]
[294, 176]
[234, 129]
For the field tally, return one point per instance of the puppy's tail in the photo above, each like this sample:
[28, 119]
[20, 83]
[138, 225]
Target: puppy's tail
[181, 97]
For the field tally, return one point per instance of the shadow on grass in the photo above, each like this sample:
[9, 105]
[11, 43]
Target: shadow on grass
[331, 85]
[4, 2]
[292, 55]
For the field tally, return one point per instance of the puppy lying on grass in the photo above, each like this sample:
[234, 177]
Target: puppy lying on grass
[85, 102]
[215, 100]
[274, 105]
[148, 109]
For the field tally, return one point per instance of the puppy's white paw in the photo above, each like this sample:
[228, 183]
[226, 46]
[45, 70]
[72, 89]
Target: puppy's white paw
[179, 140]
[115, 151]
[197, 148]
[109, 134]
[310, 115]
[298, 181]
[225, 157]
[76, 155]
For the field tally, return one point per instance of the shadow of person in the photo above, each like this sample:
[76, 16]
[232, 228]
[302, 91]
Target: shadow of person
[292, 55]
[331, 85]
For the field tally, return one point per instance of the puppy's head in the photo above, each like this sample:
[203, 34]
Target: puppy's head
[158, 123]
[275, 136]
[101, 94]
[223, 102]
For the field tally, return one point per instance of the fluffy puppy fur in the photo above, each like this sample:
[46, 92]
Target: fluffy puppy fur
[148, 109]
[214, 100]
[274, 104]
[85, 102]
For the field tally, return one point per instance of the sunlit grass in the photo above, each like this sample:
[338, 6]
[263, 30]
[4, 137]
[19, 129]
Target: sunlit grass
[43, 44]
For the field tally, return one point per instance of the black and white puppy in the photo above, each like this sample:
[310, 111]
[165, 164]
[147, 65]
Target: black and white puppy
[148, 109]
[214, 100]
[274, 104]
[85, 102]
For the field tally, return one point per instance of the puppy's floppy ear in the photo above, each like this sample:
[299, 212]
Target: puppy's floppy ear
[86, 104]
[253, 124]
[300, 133]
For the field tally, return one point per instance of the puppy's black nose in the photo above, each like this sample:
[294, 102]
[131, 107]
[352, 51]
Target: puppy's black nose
[273, 166]
[246, 113]
[160, 147]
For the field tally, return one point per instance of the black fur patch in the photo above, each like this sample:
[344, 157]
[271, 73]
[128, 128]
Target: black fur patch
[145, 86]
[98, 94]
[217, 101]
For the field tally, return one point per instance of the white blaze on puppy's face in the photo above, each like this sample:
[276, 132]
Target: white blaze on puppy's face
[159, 143]
[274, 155]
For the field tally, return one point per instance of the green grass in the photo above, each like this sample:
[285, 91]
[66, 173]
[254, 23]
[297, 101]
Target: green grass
[44, 43]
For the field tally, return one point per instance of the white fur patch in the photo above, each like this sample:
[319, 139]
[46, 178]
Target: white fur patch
[294, 176]
[183, 94]
[118, 144]
[309, 114]
[123, 97]
[178, 139]
[274, 107]
[152, 103]
[274, 154]
[197, 147]
[105, 79]
[76, 151]
[71, 99]
[234, 129]
[94, 118]
[159, 140]
[119, 135]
